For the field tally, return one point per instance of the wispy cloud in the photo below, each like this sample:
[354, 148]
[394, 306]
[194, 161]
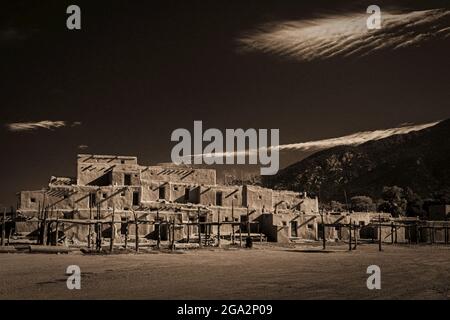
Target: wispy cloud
[355, 138]
[347, 35]
[30, 126]
[316, 145]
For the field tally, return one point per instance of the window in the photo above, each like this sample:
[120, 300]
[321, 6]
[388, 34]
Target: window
[135, 198]
[186, 194]
[260, 197]
[122, 194]
[32, 200]
[92, 200]
[162, 193]
[104, 195]
[127, 179]
[122, 161]
[294, 226]
[175, 188]
[219, 197]
[123, 226]
[310, 226]
[362, 223]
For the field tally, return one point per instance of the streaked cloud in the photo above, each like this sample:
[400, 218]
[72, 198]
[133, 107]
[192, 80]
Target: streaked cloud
[347, 35]
[30, 126]
[355, 138]
[316, 145]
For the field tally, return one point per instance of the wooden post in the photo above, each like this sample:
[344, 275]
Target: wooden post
[158, 240]
[379, 233]
[350, 235]
[446, 234]
[324, 241]
[392, 232]
[409, 234]
[248, 221]
[199, 228]
[44, 228]
[188, 229]
[126, 231]
[240, 234]
[232, 219]
[207, 231]
[218, 228]
[418, 234]
[169, 230]
[136, 223]
[113, 231]
[430, 234]
[99, 229]
[433, 230]
[57, 230]
[90, 227]
[9, 236]
[3, 227]
[49, 233]
[172, 230]
[355, 233]
[395, 232]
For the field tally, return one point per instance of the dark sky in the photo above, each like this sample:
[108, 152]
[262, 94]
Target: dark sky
[140, 69]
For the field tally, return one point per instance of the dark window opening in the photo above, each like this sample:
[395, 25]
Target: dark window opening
[104, 195]
[33, 200]
[202, 226]
[320, 230]
[127, 179]
[122, 194]
[294, 226]
[219, 198]
[186, 194]
[122, 161]
[244, 223]
[162, 193]
[123, 226]
[92, 200]
[135, 198]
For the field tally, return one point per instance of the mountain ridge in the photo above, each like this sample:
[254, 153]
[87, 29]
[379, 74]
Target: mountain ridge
[418, 160]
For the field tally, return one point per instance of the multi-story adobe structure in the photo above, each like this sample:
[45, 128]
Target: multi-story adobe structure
[107, 184]
[117, 188]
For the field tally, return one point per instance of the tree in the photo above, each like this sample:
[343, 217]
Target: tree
[361, 203]
[336, 206]
[414, 205]
[393, 201]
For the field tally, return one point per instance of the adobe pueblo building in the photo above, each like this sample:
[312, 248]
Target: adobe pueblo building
[115, 199]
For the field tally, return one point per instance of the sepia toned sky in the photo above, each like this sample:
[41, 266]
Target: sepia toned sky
[138, 70]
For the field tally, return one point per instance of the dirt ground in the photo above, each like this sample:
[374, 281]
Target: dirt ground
[261, 273]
